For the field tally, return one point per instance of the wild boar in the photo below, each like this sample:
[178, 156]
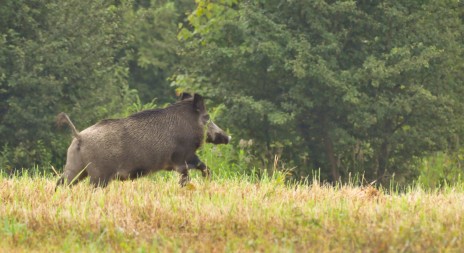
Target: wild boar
[145, 142]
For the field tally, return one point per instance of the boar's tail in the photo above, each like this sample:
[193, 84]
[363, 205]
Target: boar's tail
[62, 118]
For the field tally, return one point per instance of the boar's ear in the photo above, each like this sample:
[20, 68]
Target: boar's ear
[198, 103]
[184, 96]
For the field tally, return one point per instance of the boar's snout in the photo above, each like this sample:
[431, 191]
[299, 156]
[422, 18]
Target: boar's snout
[216, 135]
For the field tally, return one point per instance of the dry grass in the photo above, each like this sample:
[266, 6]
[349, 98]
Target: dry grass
[155, 215]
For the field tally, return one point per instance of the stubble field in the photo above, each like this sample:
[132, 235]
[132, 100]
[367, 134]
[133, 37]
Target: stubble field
[226, 215]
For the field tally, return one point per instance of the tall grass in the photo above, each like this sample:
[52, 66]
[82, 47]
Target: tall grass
[441, 168]
[153, 214]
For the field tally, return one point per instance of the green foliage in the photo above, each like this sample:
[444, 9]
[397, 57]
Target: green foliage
[136, 106]
[345, 86]
[56, 56]
[152, 51]
[441, 169]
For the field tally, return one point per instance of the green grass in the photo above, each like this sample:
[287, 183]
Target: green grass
[226, 215]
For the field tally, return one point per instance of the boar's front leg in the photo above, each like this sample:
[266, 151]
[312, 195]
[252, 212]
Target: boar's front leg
[196, 163]
[184, 175]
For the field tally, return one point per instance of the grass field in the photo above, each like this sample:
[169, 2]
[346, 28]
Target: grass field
[226, 215]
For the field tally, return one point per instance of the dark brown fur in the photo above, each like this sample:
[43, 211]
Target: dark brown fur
[148, 141]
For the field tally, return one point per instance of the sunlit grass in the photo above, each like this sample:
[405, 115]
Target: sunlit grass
[154, 214]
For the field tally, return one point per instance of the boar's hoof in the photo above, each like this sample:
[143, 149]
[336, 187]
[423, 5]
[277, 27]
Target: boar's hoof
[206, 173]
[60, 182]
[184, 180]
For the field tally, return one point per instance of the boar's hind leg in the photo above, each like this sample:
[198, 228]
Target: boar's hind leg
[99, 177]
[184, 175]
[74, 172]
[99, 181]
[71, 179]
[196, 163]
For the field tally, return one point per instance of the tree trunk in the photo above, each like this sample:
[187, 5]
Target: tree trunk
[331, 158]
[382, 161]
[329, 150]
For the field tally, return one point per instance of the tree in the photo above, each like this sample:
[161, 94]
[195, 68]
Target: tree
[152, 51]
[358, 86]
[56, 56]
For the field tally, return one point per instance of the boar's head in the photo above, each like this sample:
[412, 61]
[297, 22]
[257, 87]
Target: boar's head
[214, 134]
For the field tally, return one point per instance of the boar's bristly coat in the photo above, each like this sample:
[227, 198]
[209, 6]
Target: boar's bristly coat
[148, 141]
